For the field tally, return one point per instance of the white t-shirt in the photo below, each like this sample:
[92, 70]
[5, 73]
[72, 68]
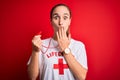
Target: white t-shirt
[53, 65]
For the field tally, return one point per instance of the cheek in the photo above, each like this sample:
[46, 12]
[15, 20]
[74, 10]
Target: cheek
[54, 23]
[67, 24]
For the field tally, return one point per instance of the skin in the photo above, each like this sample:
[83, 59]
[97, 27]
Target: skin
[61, 21]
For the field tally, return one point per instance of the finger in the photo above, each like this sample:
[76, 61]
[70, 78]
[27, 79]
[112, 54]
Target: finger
[38, 36]
[57, 35]
[62, 33]
[37, 43]
[38, 40]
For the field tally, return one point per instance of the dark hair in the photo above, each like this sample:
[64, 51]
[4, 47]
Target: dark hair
[51, 12]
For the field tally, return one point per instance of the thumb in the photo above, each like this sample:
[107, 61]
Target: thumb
[39, 34]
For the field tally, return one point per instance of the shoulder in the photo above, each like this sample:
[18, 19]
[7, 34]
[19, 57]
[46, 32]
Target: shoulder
[77, 47]
[77, 43]
[46, 41]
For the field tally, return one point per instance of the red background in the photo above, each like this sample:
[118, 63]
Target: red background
[96, 23]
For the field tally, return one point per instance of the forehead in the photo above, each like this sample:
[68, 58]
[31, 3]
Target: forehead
[61, 10]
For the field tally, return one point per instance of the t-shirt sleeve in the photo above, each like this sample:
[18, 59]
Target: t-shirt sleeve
[81, 55]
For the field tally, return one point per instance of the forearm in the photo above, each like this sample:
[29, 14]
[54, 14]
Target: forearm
[33, 67]
[75, 67]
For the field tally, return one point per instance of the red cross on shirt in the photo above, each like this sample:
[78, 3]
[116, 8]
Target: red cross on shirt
[60, 66]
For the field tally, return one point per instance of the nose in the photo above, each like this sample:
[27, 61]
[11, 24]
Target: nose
[60, 22]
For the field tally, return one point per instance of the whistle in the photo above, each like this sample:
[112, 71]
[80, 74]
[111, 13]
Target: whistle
[39, 33]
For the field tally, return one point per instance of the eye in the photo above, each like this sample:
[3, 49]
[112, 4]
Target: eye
[56, 17]
[65, 17]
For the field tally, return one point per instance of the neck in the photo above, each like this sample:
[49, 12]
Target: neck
[55, 37]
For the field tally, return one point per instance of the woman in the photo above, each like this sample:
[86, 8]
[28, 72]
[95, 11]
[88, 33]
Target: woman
[59, 57]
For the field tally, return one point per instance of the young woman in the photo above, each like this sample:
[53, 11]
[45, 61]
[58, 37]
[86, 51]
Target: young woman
[59, 57]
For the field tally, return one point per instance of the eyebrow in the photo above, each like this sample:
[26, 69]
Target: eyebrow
[58, 14]
[55, 14]
[66, 14]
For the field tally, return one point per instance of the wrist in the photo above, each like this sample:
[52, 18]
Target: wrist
[35, 51]
[67, 51]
